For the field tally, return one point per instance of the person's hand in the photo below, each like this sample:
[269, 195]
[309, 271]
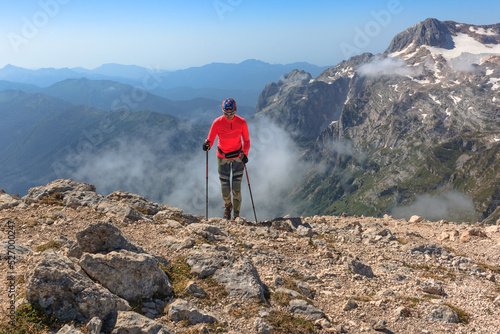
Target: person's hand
[244, 158]
[206, 146]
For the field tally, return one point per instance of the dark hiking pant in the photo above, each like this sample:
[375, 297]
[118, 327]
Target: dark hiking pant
[225, 167]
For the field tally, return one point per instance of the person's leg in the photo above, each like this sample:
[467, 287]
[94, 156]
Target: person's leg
[224, 168]
[238, 168]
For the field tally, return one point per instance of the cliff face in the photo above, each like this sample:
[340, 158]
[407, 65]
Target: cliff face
[123, 264]
[422, 118]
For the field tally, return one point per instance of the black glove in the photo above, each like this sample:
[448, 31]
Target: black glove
[244, 158]
[206, 146]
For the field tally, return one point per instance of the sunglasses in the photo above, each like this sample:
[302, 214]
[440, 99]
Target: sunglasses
[229, 113]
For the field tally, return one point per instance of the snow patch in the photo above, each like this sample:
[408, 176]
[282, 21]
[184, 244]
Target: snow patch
[464, 44]
[434, 99]
[482, 31]
[455, 99]
[494, 82]
[489, 72]
[496, 139]
[424, 116]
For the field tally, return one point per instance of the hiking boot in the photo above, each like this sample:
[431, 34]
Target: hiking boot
[227, 213]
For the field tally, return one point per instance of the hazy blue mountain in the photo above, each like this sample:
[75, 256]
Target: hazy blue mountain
[20, 111]
[242, 81]
[62, 142]
[28, 88]
[110, 95]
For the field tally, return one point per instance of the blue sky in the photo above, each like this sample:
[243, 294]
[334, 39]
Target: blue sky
[184, 33]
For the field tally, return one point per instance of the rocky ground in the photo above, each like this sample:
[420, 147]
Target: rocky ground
[122, 264]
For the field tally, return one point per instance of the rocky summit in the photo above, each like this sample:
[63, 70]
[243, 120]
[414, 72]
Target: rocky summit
[74, 261]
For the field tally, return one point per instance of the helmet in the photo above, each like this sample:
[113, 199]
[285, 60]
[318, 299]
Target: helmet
[229, 106]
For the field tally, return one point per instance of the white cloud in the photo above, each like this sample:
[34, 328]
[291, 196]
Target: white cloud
[388, 66]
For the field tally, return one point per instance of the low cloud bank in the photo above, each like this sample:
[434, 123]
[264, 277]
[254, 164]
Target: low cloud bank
[449, 205]
[151, 167]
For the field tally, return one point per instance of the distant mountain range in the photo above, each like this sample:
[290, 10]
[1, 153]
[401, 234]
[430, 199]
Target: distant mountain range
[243, 81]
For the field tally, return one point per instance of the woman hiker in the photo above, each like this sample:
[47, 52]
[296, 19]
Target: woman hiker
[231, 154]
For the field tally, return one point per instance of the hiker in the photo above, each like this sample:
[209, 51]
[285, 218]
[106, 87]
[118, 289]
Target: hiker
[232, 155]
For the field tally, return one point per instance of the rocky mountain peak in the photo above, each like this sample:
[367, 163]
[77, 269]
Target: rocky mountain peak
[430, 32]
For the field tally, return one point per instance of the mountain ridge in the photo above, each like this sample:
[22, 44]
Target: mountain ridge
[401, 115]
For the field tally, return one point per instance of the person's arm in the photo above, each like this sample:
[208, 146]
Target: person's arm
[246, 139]
[212, 134]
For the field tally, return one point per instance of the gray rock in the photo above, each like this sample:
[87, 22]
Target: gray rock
[304, 231]
[262, 327]
[195, 290]
[8, 201]
[205, 260]
[434, 288]
[289, 292]
[181, 310]
[82, 198]
[301, 307]
[54, 282]
[350, 305]
[94, 326]
[102, 237]
[69, 329]
[60, 186]
[358, 267]
[241, 279]
[18, 250]
[305, 289]
[124, 212]
[130, 275]
[139, 203]
[443, 313]
[134, 323]
[283, 225]
[379, 324]
[172, 213]
[206, 228]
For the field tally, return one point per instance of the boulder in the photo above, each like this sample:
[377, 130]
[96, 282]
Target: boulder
[205, 260]
[241, 279]
[139, 203]
[127, 274]
[69, 329]
[134, 323]
[8, 201]
[76, 199]
[358, 267]
[195, 290]
[443, 313]
[303, 308]
[60, 186]
[102, 237]
[262, 327]
[121, 211]
[54, 282]
[16, 249]
[94, 326]
[415, 219]
[181, 310]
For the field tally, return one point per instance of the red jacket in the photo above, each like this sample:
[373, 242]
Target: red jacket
[230, 134]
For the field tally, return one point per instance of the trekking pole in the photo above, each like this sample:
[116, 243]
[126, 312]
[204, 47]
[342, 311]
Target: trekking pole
[251, 197]
[207, 186]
